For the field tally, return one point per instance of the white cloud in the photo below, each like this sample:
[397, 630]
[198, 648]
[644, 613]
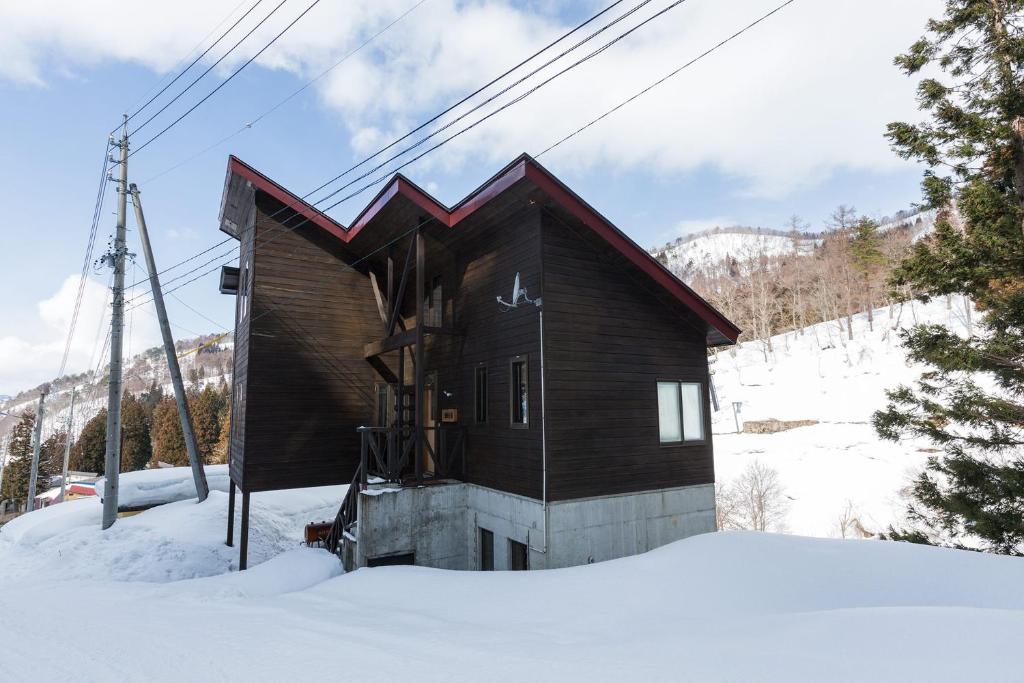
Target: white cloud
[33, 356]
[690, 226]
[783, 107]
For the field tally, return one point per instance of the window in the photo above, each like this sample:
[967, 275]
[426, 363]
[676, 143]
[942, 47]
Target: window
[486, 550]
[480, 404]
[243, 291]
[680, 412]
[519, 394]
[385, 405]
[434, 305]
[518, 556]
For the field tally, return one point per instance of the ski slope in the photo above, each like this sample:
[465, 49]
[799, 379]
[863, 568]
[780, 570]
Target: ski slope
[840, 462]
[154, 599]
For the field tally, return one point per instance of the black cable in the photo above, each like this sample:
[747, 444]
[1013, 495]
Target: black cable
[425, 123]
[187, 68]
[666, 77]
[90, 246]
[231, 77]
[283, 229]
[277, 106]
[211, 67]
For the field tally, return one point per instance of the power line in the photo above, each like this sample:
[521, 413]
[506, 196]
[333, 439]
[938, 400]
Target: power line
[482, 119]
[90, 245]
[271, 110]
[466, 98]
[194, 61]
[212, 66]
[232, 76]
[201, 315]
[422, 125]
[666, 77]
[519, 98]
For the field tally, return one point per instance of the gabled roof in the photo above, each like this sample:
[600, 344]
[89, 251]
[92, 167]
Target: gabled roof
[524, 167]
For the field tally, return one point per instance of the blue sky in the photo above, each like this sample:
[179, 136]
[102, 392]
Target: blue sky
[788, 119]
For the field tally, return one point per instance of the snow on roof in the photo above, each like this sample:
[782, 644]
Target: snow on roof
[146, 488]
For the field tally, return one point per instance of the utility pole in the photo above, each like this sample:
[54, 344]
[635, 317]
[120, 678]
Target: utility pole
[67, 446]
[198, 475]
[112, 465]
[37, 444]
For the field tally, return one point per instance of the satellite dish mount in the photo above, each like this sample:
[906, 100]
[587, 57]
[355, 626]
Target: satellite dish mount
[519, 296]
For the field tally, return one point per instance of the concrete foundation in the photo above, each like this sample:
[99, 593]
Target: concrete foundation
[439, 525]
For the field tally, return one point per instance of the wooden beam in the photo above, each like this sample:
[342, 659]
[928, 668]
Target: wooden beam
[382, 369]
[421, 290]
[400, 295]
[395, 341]
[382, 304]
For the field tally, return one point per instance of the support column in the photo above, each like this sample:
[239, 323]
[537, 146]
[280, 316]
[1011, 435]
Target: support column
[418, 368]
[243, 551]
[231, 514]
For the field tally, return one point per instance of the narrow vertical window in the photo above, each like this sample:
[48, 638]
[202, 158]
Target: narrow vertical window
[243, 291]
[480, 410]
[385, 408]
[434, 304]
[680, 412]
[486, 550]
[519, 392]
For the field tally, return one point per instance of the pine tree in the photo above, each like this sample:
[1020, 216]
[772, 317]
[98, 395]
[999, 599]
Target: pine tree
[220, 451]
[868, 259]
[19, 461]
[971, 401]
[167, 439]
[136, 448]
[206, 411]
[90, 451]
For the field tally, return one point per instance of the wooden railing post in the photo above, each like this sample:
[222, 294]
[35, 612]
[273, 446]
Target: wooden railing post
[363, 463]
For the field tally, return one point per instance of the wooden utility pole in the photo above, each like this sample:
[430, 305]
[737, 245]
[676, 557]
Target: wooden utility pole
[37, 443]
[112, 464]
[67, 446]
[198, 475]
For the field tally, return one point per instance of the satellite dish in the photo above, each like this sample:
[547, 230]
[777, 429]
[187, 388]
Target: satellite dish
[518, 295]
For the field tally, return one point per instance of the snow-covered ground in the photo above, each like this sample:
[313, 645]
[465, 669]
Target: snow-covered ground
[822, 375]
[122, 606]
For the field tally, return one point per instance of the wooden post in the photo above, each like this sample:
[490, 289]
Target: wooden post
[419, 391]
[231, 514]
[243, 551]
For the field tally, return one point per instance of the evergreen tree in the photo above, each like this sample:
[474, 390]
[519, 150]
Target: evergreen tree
[19, 460]
[90, 451]
[206, 411]
[971, 401]
[868, 259]
[136, 448]
[167, 439]
[220, 451]
[51, 458]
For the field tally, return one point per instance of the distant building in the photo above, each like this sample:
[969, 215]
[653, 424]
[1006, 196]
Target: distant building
[480, 428]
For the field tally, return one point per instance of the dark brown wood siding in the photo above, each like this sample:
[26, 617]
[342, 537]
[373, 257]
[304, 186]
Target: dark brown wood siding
[608, 340]
[478, 261]
[306, 386]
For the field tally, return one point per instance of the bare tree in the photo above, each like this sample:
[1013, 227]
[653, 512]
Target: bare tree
[755, 500]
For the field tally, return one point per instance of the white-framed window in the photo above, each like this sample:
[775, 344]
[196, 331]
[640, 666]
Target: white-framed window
[680, 412]
[519, 396]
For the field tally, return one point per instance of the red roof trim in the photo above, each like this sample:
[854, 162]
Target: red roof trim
[524, 167]
[239, 167]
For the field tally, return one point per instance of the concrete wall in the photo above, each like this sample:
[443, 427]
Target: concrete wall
[441, 524]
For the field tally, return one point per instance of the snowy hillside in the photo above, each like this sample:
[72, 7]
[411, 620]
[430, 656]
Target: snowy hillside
[839, 463]
[708, 251]
[717, 607]
[213, 364]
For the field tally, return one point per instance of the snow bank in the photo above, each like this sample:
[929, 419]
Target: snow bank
[718, 607]
[172, 542]
[163, 485]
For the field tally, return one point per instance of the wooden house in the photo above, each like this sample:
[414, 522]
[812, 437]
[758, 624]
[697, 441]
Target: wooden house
[479, 427]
